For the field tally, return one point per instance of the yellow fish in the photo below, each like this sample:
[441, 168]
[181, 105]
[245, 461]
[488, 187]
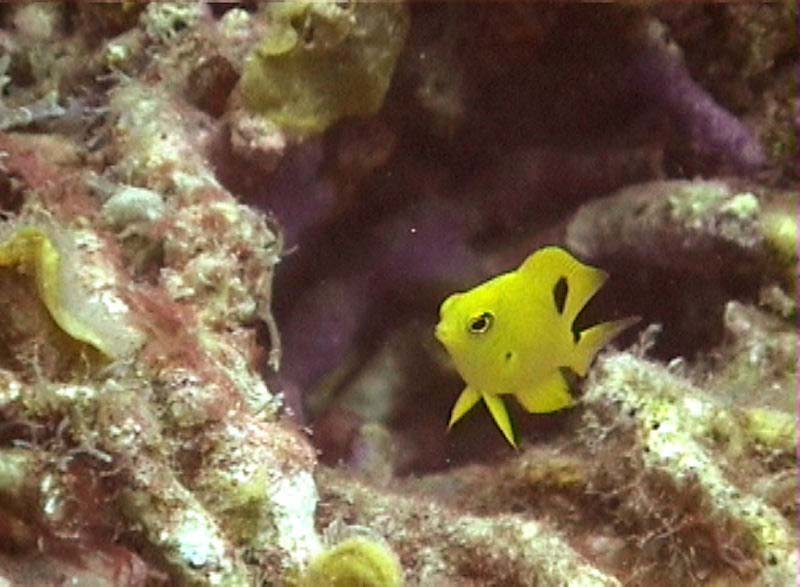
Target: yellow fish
[513, 335]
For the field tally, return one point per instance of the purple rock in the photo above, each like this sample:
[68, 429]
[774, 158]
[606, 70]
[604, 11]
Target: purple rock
[661, 76]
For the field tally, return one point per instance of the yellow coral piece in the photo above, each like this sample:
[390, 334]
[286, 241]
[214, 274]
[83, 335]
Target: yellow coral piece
[32, 250]
[323, 61]
[354, 562]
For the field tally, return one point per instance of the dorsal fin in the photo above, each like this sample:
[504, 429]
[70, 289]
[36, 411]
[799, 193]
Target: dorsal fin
[549, 265]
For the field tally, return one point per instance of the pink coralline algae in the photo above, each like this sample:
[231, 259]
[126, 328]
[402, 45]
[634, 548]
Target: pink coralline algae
[225, 232]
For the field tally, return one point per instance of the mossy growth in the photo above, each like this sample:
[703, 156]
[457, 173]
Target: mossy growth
[779, 227]
[694, 201]
[242, 502]
[557, 473]
[355, 562]
[771, 429]
[322, 61]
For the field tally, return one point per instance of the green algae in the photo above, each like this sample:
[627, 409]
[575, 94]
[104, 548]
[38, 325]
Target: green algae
[320, 62]
[355, 562]
[779, 227]
[772, 429]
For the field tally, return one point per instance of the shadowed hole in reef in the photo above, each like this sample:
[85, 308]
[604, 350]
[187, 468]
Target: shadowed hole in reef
[688, 305]
[218, 9]
[342, 245]
[10, 199]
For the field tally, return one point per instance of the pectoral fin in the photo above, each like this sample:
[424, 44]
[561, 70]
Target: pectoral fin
[498, 410]
[468, 398]
[549, 395]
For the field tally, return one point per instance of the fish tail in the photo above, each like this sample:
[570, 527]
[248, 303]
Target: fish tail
[595, 338]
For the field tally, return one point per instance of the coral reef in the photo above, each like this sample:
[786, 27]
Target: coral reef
[441, 545]
[225, 231]
[672, 420]
[706, 221]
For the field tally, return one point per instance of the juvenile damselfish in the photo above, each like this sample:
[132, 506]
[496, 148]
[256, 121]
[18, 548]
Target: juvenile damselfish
[514, 335]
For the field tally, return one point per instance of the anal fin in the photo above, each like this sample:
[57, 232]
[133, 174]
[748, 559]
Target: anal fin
[549, 395]
[498, 411]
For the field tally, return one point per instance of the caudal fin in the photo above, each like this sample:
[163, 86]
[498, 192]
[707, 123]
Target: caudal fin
[595, 338]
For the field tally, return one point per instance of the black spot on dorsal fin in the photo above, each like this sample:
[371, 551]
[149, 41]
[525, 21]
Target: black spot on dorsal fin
[560, 291]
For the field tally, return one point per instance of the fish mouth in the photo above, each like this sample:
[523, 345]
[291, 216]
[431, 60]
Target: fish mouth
[440, 333]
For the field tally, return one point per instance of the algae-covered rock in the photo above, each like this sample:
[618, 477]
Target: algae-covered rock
[164, 21]
[447, 546]
[322, 61]
[707, 226]
[679, 428]
[755, 366]
[17, 467]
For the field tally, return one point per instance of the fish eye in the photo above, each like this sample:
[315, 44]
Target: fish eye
[480, 323]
